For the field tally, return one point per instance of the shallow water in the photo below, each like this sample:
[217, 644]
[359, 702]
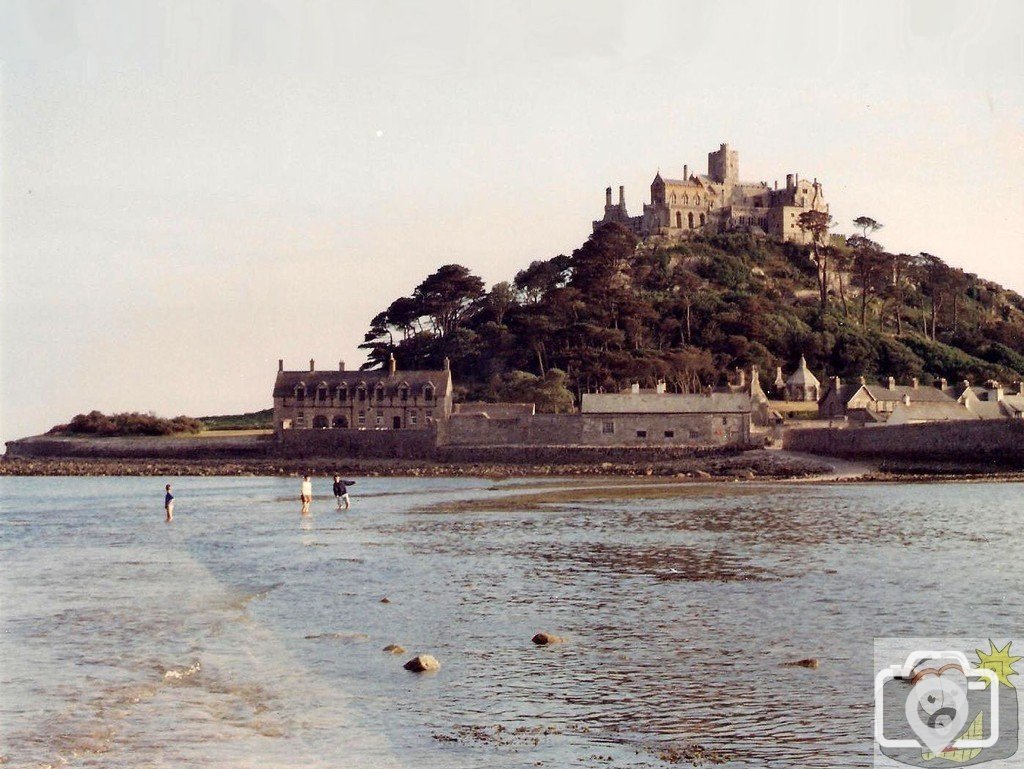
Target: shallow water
[242, 635]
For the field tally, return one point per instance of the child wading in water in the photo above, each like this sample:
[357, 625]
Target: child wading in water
[169, 502]
[341, 492]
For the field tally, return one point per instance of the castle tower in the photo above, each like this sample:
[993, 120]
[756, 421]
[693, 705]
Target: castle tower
[724, 165]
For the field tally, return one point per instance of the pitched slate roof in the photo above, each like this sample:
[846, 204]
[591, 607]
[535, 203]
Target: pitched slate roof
[931, 412]
[802, 375]
[286, 382]
[665, 403]
[917, 394]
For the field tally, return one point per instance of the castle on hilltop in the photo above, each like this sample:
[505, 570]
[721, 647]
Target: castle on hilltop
[719, 202]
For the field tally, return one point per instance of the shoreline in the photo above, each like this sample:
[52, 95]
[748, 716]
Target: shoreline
[755, 465]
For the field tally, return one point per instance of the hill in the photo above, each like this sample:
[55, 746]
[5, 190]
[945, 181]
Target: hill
[618, 311]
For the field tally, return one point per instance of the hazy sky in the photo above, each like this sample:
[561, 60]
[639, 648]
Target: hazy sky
[192, 190]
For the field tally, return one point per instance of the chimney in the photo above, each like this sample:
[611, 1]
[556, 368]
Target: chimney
[447, 364]
[863, 381]
[789, 181]
[776, 184]
[622, 197]
[686, 173]
[608, 196]
[659, 387]
[280, 364]
[892, 383]
[796, 180]
[341, 365]
[836, 383]
[741, 375]
[914, 382]
[943, 384]
[312, 365]
[635, 388]
[999, 392]
[392, 365]
[966, 384]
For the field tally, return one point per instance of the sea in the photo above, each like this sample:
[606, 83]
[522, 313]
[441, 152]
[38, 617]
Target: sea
[242, 634]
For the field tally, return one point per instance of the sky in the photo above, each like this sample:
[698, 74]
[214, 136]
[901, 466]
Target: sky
[191, 190]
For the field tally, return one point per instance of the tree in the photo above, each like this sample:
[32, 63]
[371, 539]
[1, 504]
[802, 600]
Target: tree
[867, 225]
[446, 295]
[499, 299]
[817, 223]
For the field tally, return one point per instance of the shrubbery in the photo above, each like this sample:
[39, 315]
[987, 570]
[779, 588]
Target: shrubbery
[128, 423]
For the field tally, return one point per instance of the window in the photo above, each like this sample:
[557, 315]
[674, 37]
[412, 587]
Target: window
[412, 417]
[340, 423]
[702, 220]
[725, 420]
[690, 217]
[320, 422]
[362, 418]
[342, 393]
[679, 220]
[670, 433]
[300, 393]
[380, 412]
[379, 393]
[641, 433]
[321, 393]
[361, 393]
[403, 393]
[694, 434]
[428, 393]
[380, 420]
[608, 428]
[429, 414]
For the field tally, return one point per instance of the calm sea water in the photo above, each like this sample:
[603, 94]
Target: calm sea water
[243, 636]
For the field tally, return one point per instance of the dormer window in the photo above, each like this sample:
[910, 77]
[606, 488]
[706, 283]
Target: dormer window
[361, 392]
[342, 393]
[321, 392]
[428, 392]
[403, 392]
[300, 392]
[378, 393]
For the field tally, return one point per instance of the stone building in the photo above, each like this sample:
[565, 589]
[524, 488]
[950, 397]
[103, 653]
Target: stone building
[802, 385]
[869, 404]
[719, 202]
[361, 400]
[659, 417]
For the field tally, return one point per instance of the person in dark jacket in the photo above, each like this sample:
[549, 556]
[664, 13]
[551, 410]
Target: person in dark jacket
[341, 492]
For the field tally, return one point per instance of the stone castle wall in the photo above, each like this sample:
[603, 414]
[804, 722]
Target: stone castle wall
[1001, 441]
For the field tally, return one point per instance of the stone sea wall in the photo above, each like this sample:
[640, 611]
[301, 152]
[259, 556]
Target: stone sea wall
[1000, 441]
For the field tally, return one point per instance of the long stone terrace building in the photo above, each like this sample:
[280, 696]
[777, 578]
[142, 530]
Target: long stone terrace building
[361, 400]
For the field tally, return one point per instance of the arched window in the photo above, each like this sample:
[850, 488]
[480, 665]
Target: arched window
[690, 217]
[340, 423]
[702, 220]
[321, 392]
[679, 219]
[300, 391]
[319, 422]
[342, 392]
[686, 200]
[378, 392]
[428, 392]
[403, 392]
[696, 199]
[361, 392]
[673, 197]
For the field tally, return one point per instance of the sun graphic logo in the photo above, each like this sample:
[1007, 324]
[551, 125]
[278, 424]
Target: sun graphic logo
[938, 709]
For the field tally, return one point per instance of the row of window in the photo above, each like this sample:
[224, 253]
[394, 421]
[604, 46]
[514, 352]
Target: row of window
[342, 393]
[686, 199]
[608, 428]
[690, 219]
[340, 421]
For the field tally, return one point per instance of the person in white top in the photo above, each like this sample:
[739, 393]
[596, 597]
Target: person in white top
[307, 494]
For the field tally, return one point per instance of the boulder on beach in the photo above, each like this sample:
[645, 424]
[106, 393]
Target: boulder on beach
[543, 639]
[422, 663]
[385, 599]
[393, 649]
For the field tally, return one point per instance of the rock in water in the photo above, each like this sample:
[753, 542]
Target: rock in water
[423, 663]
[385, 599]
[393, 649]
[809, 662]
[543, 639]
